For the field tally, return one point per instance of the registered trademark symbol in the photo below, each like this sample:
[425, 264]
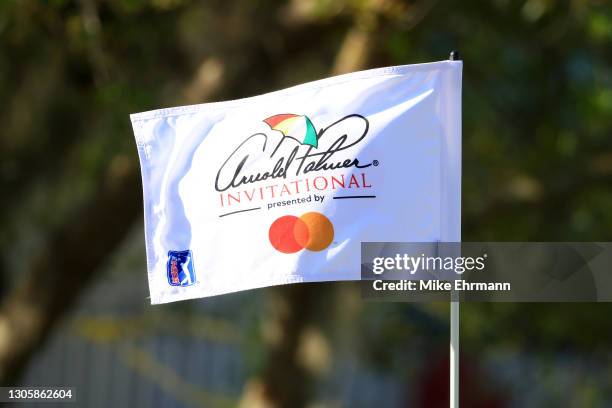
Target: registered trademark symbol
[375, 163]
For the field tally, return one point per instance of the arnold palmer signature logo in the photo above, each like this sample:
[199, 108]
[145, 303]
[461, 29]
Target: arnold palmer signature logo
[304, 150]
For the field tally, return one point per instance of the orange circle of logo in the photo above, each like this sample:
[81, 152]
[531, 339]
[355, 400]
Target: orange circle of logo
[312, 231]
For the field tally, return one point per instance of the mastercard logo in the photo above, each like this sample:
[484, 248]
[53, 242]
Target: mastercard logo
[312, 231]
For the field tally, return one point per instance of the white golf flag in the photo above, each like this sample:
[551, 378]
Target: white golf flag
[283, 187]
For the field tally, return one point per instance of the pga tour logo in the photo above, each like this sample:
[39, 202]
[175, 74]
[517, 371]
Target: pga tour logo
[180, 268]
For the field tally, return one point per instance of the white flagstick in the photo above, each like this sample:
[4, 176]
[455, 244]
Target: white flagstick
[454, 354]
[454, 329]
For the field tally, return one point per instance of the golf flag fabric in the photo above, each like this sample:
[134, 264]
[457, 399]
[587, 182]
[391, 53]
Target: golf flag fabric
[283, 187]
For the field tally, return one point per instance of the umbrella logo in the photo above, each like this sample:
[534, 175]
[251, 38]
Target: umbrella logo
[297, 127]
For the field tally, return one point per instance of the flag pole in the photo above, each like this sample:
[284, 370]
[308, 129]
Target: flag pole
[454, 327]
[454, 354]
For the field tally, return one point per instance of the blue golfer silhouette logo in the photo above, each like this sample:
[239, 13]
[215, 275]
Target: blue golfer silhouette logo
[180, 268]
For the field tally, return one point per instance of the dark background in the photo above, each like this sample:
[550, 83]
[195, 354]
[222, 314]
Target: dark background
[537, 166]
